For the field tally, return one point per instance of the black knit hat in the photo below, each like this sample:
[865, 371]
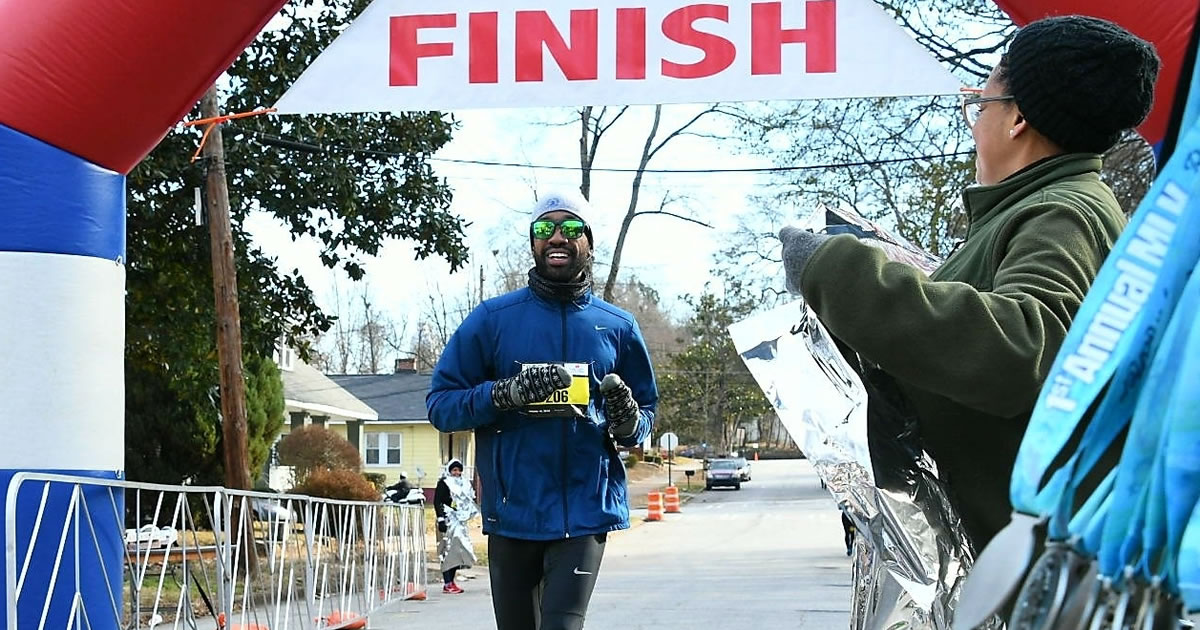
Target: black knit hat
[1081, 81]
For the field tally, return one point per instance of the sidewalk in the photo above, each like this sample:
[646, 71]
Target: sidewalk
[644, 478]
[638, 485]
[705, 566]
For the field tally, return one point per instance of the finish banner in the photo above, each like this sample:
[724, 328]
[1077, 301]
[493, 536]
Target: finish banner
[420, 55]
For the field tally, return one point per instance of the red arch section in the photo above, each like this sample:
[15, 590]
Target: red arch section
[106, 80]
[1166, 23]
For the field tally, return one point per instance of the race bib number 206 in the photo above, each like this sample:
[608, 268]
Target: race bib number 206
[568, 401]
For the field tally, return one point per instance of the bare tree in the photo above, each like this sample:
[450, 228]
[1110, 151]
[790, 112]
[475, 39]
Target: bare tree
[938, 25]
[441, 314]
[902, 162]
[439, 319]
[652, 146]
[663, 336]
[333, 351]
[363, 339]
[594, 124]
[378, 339]
[1129, 169]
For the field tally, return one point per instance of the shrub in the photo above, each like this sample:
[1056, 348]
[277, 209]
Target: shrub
[312, 448]
[632, 460]
[378, 479]
[338, 484]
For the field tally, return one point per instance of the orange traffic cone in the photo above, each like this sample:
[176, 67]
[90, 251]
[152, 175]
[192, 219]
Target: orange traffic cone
[654, 506]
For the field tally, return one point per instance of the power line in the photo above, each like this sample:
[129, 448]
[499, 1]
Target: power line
[308, 147]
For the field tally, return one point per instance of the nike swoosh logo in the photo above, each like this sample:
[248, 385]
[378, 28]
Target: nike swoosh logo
[578, 572]
[601, 328]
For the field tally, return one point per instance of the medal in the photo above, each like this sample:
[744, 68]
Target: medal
[1122, 616]
[1082, 600]
[1168, 614]
[1102, 617]
[997, 572]
[1056, 574]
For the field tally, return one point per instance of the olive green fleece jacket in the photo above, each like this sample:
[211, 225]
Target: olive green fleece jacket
[971, 344]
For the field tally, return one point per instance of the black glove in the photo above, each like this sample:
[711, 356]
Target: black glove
[619, 406]
[442, 527]
[532, 385]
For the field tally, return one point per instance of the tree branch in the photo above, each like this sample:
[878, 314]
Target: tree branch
[677, 216]
[697, 117]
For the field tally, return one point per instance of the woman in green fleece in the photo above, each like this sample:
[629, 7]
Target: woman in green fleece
[971, 344]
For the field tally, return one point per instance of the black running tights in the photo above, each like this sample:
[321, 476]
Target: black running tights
[543, 585]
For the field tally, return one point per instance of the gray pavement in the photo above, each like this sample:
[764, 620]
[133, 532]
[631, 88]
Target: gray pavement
[767, 556]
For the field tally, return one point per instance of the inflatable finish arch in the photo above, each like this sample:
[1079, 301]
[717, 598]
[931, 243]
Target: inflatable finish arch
[89, 88]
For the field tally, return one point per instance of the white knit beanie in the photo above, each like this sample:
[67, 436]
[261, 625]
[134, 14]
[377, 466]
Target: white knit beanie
[569, 201]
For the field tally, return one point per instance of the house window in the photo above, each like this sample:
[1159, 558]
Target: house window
[383, 449]
[284, 356]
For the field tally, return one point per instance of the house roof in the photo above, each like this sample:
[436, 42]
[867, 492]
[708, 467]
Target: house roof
[398, 397]
[305, 387]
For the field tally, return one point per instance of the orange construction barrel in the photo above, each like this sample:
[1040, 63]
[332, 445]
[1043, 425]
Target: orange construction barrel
[654, 506]
[671, 501]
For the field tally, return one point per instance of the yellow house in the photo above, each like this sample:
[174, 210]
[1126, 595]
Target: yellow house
[309, 397]
[383, 415]
[402, 438]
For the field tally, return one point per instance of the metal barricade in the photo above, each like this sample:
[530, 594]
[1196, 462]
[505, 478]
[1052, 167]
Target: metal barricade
[101, 554]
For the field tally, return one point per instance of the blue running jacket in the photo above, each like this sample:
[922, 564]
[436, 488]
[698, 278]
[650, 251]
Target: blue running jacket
[543, 478]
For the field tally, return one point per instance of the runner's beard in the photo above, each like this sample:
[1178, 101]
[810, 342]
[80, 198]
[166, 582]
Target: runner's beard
[570, 272]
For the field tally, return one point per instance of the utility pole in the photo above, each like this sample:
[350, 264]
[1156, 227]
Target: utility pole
[229, 327]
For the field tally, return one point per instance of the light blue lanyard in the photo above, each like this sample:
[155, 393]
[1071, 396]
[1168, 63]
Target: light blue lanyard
[1176, 485]
[1090, 534]
[1135, 525]
[1088, 522]
[1125, 312]
[1183, 447]
[1180, 451]
[1188, 565]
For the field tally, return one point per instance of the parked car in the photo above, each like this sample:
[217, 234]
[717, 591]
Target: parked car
[149, 536]
[743, 468]
[277, 514]
[271, 510]
[722, 472]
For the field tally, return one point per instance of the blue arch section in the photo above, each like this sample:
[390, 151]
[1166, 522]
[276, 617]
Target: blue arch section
[57, 203]
[101, 551]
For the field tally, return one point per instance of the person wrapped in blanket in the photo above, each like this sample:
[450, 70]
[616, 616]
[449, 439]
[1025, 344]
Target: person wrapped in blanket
[454, 503]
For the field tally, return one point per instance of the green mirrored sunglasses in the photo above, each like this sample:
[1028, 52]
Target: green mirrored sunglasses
[571, 228]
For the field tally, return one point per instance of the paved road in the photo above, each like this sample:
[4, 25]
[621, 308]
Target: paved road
[767, 556]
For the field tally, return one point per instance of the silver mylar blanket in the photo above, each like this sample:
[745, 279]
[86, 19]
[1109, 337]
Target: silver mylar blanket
[454, 546]
[912, 554]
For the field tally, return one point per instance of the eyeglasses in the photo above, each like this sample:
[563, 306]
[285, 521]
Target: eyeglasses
[571, 229]
[972, 107]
